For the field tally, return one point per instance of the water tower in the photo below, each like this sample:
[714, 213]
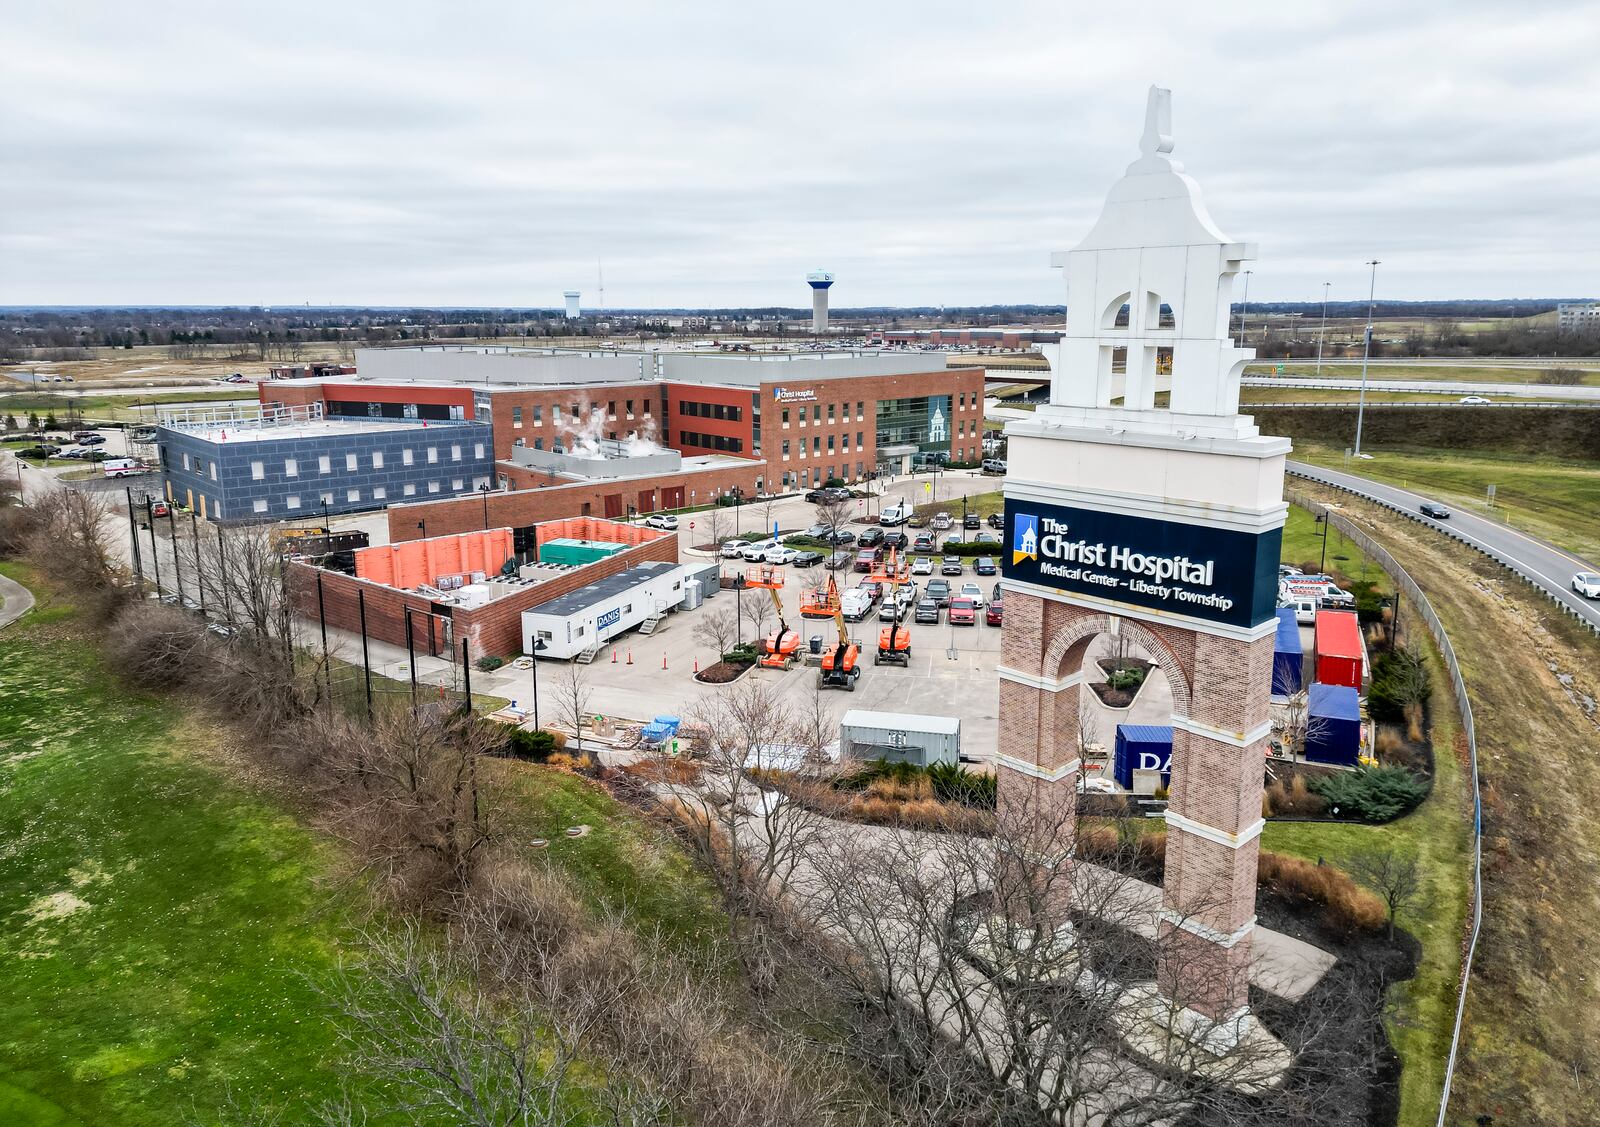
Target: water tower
[819, 281]
[572, 303]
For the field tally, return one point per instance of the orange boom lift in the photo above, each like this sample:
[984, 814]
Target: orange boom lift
[839, 668]
[894, 640]
[821, 602]
[781, 646]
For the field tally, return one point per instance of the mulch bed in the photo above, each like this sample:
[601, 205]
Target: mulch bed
[722, 672]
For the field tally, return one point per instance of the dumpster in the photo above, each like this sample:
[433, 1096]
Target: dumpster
[1146, 747]
[1333, 725]
[1340, 654]
[1288, 656]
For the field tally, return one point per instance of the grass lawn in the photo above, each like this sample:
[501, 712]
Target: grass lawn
[111, 408]
[1303, 547]
[161, 925]
[1558, 501]
[1258, 395]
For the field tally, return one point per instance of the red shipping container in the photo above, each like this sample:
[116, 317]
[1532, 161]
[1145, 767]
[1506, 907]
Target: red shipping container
[1340, 654]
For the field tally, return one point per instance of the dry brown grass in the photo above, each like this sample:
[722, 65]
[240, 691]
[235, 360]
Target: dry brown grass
[1343, 904]
[1294, 799]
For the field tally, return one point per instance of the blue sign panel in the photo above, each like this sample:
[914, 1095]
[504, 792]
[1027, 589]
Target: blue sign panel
[1216, 574]
[609, 618]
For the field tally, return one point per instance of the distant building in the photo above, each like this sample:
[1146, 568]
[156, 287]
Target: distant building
[1578, 315]
[572, 296]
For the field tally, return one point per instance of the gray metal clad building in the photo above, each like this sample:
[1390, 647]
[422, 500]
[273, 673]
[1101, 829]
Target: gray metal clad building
[282, 463]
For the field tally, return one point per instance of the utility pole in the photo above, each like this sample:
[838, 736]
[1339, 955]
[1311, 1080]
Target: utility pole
[1323, 331]
[1366, 354]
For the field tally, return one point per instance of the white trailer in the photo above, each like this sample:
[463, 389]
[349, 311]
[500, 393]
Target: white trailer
[899, 736]
[587, 618]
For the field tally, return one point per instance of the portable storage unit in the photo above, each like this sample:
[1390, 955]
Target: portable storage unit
[566, 551]
[1340, 654]
[1288, 656]
[900, 737]
[580, 620]
[707, 574]
[1333, 725]
[1147, 747]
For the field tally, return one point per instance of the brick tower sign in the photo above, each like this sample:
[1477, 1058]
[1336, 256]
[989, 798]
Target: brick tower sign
[1160, 524]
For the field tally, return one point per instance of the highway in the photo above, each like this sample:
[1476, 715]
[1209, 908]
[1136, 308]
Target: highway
[1412, 387]
[1545, 565]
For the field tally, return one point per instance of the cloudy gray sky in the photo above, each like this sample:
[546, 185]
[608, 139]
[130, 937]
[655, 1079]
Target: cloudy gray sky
[712, 153]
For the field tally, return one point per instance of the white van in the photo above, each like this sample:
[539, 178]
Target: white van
[1305, 610]
[855, 604]
[894, 514]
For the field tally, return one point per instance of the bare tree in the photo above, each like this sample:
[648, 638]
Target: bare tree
[1394, 875]
[572, 693]
[716, 519]
[767, 504]
[69, 540]
[756, 607]
[717, 627]
[833, 513]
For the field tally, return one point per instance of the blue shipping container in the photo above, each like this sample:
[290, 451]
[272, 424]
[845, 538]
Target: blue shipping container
[1333, 724]
[1144, 747]
[1288, 656]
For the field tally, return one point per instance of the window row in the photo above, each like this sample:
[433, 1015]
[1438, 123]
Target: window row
[814, 411]
[843, 445]
[356, 497]
[534, 414]
[352, 462]
[710, 441]
[723, 411]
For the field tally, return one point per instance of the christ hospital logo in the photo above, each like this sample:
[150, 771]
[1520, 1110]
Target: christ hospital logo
[1024, 538]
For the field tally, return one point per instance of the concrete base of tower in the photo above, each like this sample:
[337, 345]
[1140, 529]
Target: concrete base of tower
[1234, 1052]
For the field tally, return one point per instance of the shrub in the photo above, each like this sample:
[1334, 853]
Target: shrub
[536, 746]
[1294, 798]
[745, 654]
[1125, 680]
[490, 663]
[561, 761]
[954, 783]
[1373, 794]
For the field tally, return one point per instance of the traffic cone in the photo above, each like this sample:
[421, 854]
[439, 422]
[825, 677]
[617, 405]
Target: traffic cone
[697, 665]
[630, 657]
[613, 655]
[663, 661]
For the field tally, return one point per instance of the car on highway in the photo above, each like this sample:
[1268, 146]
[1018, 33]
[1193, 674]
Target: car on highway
[806, 558]
[666, 522]
[1587, 584]
[951, 565]
[870, 538]
[995, 612]
[1434, 509]
[780, 555]
[732, 548]
[963, 612]
[928, 611]
[939, 591]
[974, 592]
[985, 565]
[1475, 399]
[922, 565]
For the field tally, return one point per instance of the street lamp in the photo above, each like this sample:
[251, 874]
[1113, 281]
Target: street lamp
[1244, 308]
[423, 525]
[484, 489]
[1366, 354]
[738, 500]
[1322, 519]
[538, 647]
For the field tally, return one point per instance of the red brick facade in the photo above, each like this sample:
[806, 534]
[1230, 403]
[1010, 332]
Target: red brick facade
[492, 630]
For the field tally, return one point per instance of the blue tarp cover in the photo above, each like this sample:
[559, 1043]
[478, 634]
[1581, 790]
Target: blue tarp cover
[1288, 659]
[1333, 724]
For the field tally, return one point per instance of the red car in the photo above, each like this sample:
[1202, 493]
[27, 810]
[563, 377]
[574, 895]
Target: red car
[992, 615]
[963, 613]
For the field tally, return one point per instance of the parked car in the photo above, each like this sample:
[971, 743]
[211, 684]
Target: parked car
[871, 587]
[974, 592]
[158, 508]
[841, 537]
[891, 611]
[972, 520]
[963, 612]
[870, 538]
[993, 614]
[922, 565]
[994, 594]
[1587, 584]
[832, 493]
[666, 522]
[923, 543]
[816, 532]
[1434, 509]
[855, 604]
[866, 559]
[994, 465]
[732, 548]
[986, 537]
[80, 435]
[895, 540]
[1288, 569]
[951, 565]
[838, 559]
[939, 591]
[894, 514]
[780, 555]
[38, 451]
[941, 522]
[928, 610]
[806, 559]
[985, 565]
[92, 439]
[756, 552]
[996, 521]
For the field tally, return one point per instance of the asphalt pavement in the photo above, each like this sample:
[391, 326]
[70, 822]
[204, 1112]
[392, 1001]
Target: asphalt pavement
[1542, 564]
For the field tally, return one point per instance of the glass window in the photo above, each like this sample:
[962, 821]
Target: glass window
[458, 413]
[830, 444]
[538, 416]
[410, 489]
[186, 461]
[477, 449]
[292, 502]
[433, 487]
[379, 493]
[353, 496]
[830, 413]
[786, 448]
[630, 408]
[433, 455]
[258, 470]
[861, 410]
[374, 410]
[408, 411]
[350, 463]
[259, 504]
[213, 471]
[816, 413]
[458, 484]
[406, 457]
[291, 467]
[324, 464]
[455, 453]
[516, 416]
[786, 416]
[377, 459]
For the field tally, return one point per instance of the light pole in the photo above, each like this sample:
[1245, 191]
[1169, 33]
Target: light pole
[738, 500]
[1323, 331]
[423, 525]
[1366, 354]
[1244, 309]
[1322, 519]
[538, 647]
[484, 489]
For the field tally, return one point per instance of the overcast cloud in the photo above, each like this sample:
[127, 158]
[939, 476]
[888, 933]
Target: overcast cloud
[712, 153]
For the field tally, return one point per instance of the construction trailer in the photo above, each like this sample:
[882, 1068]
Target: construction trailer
[1288, 656]
[1142, 748]
[900, 737]
[1333, 725]
[584, 620]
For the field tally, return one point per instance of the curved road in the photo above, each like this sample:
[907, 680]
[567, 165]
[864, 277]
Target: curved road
[1542, 564]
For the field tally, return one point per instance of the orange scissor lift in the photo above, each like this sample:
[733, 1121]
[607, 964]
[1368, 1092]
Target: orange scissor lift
[782, 646]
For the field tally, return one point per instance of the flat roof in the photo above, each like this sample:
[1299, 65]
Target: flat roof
[335, 425]
[907, 721]
[611, 586]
